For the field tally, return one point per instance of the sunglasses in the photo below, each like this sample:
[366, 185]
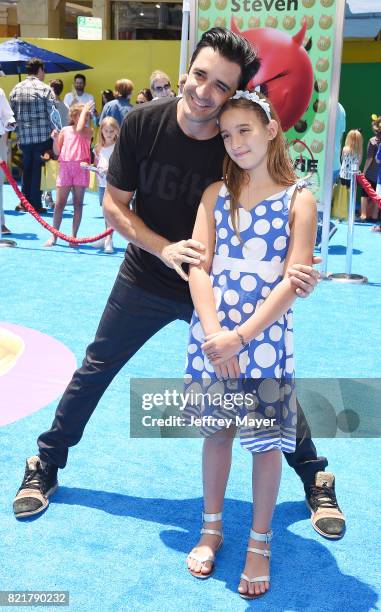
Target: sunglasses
[162, 88]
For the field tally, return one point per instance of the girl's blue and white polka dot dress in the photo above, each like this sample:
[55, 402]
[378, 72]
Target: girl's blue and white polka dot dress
[242, 275]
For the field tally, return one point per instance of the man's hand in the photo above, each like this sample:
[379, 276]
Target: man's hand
[304, 278]
[176, 254]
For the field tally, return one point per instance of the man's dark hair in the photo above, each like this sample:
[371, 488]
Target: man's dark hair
[234, 48]
[57, 86]
[80, 76]
[33, 65]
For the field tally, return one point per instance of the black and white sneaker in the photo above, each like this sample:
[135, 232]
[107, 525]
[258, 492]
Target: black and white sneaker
[326, 516]
[37, 486]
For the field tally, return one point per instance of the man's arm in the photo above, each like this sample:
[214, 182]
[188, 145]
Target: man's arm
[128, 224]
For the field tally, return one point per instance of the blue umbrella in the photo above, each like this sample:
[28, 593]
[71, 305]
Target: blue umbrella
[15, 53]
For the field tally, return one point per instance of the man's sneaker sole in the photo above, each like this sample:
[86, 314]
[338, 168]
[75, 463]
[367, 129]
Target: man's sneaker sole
[319, 531]
[42, 508]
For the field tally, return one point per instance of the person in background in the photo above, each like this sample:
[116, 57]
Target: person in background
[7, 120]
[181, 83]
[369, 210]
[106, 96]
[107, 137]
[56, 86]
[32, 102]
[144, 95]
[160, 85]
[350, 162]
[78, 95]
[377, 228]
[72, 146]
[339, 132]
[121, 105]
[60, 119]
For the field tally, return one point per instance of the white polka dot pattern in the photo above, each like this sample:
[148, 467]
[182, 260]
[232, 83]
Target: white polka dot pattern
[244, 274]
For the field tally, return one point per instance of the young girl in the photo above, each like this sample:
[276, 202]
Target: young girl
[107, 137]
[350, 162]
[72, 146]
[255, 224]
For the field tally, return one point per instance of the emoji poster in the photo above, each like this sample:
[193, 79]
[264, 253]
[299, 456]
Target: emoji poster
[295, 42]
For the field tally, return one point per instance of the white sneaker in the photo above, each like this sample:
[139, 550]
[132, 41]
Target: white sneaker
[108, 248]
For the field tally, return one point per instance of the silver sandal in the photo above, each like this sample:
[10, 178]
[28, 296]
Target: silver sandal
[207, 518]
[258, 537]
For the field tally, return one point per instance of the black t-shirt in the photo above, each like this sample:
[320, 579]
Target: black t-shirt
[169, 172]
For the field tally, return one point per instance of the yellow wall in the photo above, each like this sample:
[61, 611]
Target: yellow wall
[112, 60]
[361, 51]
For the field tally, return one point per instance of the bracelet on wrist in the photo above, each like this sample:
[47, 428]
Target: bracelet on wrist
[242, 339]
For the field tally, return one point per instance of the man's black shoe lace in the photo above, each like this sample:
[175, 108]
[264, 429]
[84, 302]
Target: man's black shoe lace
[323, 497]
[32, 480]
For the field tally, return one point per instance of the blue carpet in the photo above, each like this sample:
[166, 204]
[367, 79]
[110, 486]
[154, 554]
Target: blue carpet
[117, 531]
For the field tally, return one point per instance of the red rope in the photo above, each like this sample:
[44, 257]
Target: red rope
[369, 189]
[41, 221]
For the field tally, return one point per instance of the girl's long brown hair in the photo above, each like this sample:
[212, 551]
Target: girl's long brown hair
[279, 164]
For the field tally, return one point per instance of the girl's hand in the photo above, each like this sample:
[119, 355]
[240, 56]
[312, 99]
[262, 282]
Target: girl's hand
[229, 369]
[89, 106]
[221, 346]
[54, 134]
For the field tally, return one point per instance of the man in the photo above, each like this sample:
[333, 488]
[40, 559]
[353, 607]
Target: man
[160, 85]
[79, 95]
[32, 103]
[168, 152]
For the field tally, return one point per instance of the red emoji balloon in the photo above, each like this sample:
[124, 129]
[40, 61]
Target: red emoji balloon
[286, 75]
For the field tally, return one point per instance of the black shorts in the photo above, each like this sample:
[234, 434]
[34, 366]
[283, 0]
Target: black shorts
[363, 193]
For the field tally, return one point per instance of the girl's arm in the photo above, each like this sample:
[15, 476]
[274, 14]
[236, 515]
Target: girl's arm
[83, 117]
[97, 149]
[57, 142]
[303, 224]
[199, 281]
[378, 154]
[370, 154]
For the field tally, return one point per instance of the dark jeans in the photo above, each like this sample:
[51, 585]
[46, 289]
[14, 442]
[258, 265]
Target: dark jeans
[130, 318]
[31, 176]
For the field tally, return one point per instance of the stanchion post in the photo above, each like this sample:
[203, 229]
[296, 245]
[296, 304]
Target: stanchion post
[184, 37]
[347, 276]
[351, 221]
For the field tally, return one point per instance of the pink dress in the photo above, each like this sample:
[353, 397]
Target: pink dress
[75, 149]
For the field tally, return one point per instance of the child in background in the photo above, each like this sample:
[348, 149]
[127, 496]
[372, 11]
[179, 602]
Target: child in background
[72, 146]
[255, 224]
[107, 137]
[350, 162]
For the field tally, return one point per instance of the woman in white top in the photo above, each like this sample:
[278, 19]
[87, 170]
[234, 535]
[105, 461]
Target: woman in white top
[7, 121]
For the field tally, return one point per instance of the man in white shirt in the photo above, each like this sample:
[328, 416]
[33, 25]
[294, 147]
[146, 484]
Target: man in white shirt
[78, 95]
